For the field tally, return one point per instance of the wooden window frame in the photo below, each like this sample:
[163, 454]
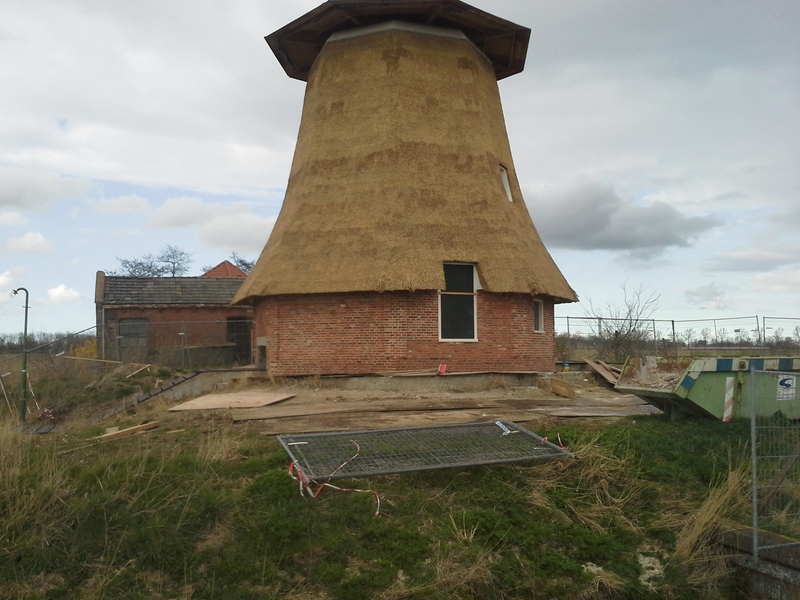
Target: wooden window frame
[538, 315]
[453, 294]
[504, 179]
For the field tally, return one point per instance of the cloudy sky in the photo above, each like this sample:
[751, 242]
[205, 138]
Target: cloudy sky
[657, 144]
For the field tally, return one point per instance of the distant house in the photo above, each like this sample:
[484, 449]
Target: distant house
[181, 321]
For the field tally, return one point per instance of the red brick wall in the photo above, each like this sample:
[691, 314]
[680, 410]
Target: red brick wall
[361, 333]
[202, 325]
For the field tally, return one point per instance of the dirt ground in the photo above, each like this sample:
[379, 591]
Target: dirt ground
[318, 405]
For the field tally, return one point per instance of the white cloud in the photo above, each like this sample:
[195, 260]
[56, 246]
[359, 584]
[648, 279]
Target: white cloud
[33, 241]
[779, 282]
[6, 278]
[62, 294]
[28, 188]
[123, 205]
[9, 280]
[758, 258]
[11, 218]
[183, 211]
[243, 233]
[232, 227]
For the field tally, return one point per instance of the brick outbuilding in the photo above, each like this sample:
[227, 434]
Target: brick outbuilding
[173, 320]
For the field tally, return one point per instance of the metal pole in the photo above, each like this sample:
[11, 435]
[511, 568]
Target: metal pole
[655, 339]
[674, 339]
[23, 398]
[754, 458]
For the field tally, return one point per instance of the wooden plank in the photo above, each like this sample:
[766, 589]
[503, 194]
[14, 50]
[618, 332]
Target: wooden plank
[320, 423]
[599, 411]
[602, 371]
[381, 419]
[611, 368]
[139, 370]
[233, 400]
[374, 406]
[288, 411]
[81, 447]
[126, 432]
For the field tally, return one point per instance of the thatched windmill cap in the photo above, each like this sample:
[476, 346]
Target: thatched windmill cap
[298, 44]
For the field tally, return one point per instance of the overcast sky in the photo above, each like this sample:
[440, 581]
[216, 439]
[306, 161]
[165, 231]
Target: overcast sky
[657, 144]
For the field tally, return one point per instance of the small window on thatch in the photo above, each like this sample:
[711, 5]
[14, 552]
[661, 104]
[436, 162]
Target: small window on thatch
[457, 304]
[538, 316]
[506, 184]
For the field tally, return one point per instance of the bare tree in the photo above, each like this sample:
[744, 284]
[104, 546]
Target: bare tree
[625, 330]
[688, 336]
[171, 262]
[242, 263]
[140, 266]
[176, 261]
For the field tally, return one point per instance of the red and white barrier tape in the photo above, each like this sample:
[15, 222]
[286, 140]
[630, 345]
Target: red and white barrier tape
[306, 482]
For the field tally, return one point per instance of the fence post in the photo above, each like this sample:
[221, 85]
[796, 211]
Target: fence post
[655, 339]
[674, 339]
[758, 332]
[754, 458]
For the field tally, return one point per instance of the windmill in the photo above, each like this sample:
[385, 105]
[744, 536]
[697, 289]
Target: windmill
[403, 241]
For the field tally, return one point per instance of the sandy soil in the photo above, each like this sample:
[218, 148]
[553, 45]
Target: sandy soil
[323, 405]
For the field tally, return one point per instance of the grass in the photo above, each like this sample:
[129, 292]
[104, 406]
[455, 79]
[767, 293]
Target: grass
[216, 515]
[210, 512]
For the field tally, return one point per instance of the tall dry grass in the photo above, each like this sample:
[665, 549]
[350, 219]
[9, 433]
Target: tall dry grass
[33, 491]
[219, 445]
[696, 552]
[604, 483]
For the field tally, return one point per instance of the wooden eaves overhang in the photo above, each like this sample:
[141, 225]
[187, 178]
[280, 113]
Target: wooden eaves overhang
[298, 44]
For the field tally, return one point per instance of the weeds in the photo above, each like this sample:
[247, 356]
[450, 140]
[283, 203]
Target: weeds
[32, 492]
[219, 445]
[215, 515]
[696, 554]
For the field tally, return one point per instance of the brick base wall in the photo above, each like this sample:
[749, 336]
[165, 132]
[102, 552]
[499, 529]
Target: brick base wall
[362, 333]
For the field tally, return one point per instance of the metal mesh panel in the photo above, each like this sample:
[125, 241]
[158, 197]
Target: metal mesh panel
[618, 338]
[328, 456]
[775, 459]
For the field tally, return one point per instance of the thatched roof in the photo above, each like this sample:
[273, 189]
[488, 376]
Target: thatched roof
[397, 169]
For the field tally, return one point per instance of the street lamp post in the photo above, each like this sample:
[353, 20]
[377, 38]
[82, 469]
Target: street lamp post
[23, 400]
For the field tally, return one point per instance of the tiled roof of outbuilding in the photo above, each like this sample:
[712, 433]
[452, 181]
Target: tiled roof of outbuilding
[171, 291]
[225, 269]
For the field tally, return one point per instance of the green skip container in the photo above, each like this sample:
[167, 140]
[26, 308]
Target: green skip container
[718, 388]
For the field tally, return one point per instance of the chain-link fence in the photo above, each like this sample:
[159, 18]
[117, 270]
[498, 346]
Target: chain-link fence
[781, 333]
[775, 430]
[188, 344]
[615, 339]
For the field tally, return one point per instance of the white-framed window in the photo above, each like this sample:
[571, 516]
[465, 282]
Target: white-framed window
[458, 309]
[506, 183]
[538, 315]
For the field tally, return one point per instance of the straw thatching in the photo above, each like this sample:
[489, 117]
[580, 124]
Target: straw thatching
[397, 170]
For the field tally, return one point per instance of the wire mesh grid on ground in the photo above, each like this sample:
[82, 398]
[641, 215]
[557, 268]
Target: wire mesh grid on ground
[348, 454]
